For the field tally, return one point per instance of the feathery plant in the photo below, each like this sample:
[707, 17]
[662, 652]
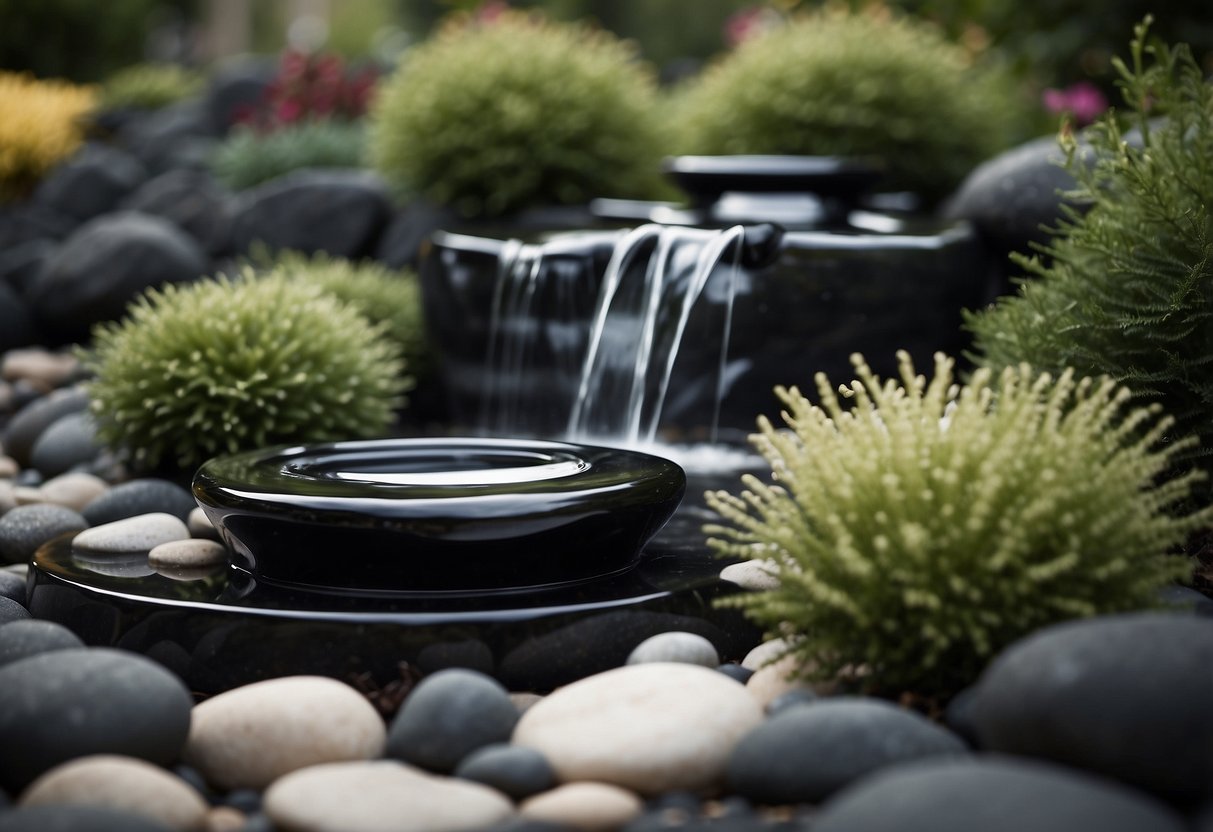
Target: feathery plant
[228, 365]
[381, 295]
[1126, 288]
[920, 530]
[248, 156]
[867, 84]
[495, 116]
[41, 125]
[150, 86]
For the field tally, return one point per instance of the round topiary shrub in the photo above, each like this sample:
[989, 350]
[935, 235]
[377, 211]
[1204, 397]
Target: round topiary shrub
[389, 298]
[918, 532]
[492, 117]
[248, 156]
[223, 365]
[41, 125]
[837, 83]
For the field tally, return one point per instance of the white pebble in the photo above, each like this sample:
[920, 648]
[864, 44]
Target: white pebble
[754, 575]
[141, 533]
[681, 647]
[591, 807]
[74, 490]
[200, 525]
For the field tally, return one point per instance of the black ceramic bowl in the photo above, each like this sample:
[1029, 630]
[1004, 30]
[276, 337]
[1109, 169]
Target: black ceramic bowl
[426, 515]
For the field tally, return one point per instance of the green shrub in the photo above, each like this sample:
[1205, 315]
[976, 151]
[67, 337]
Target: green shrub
[149, 86]
[492, 117]
[41, 125]
[386, 297]
[841, 84]
[225, 365]
[931, 524]
[248, 157]
[1126, 288]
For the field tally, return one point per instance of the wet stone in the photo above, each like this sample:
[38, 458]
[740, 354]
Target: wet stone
[682, 648]
[192, 553]
[29, 637]
[513, 770]
[141, 533]
[25, 528]
[121, 783]
[142, 496]
[806, 754]
[391, 797]
[115, 702]
[250, 736]
[449, 715]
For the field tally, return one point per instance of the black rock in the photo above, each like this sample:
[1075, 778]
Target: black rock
[12, 586]
[341, 212]
[63, 818]
[1187, 599]
[26, 221]
[142, 496]
[25, 528]
[17, 325]
[991, 795]
[406, 239]
[470, 654]
[736, 672]
[28, 424]
[66, 443]
[163, 140]
[236, 89]
[809, 752]
[20, 265]
[91, 183]
[1125, 696]
[511, 769]
[449, 715]
[105, 264]
[66, 704]
[192, 201]
[520, 824]
[958, 716]
[246, 800]
[20, 639]
[791, 699]
[12, 612]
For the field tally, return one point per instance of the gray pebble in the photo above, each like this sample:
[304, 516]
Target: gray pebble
[75, 819]
[143, 496]
[513, 769]
[12, 586]
[29, 637]
[141, 533]
[449, 715]
[683, 648]
[11, 611]
[25, 528]
[29, 422]
[68, 442]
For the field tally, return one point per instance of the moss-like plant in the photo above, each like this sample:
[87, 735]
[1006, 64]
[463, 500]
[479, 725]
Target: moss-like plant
[919, 531]
[1126, 287]
[837, 83]
[492, 117]
[40, 126]
[383, 296]
[225, 365]
[149, 86]
[248, 157]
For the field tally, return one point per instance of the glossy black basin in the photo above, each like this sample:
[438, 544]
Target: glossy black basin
[437, 515]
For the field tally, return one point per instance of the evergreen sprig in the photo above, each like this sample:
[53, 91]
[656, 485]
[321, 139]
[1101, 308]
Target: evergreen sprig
[1125, 288]
[920, 530]
[228, 365]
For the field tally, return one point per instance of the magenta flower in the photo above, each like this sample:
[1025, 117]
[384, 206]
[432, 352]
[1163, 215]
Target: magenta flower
[1083, 101]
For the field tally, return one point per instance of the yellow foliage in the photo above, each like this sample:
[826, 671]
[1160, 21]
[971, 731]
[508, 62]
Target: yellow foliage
[40, 125]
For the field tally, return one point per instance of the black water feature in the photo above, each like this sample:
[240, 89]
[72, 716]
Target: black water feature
[679, 328]
[363, 560]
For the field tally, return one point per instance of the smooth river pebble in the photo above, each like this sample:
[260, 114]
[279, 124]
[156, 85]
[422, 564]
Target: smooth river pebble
[140, 533]
[590, 807]
[683, 648]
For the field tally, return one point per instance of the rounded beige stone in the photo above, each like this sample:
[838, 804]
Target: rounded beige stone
[225, 819]
[191, 553]
[650, 728]
[200, 525]
[754, 575]
[140, 533]
[248, 737]
[75, 490]
[380, 796]
[773, 680]
[8, 467]
[524, 700]
[123, 783]
[591, 807]
[45, 369]
[764, 654]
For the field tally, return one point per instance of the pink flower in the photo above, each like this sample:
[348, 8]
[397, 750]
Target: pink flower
[751, 21]
[1082, 100]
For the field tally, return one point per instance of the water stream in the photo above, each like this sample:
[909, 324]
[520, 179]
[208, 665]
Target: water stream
[621, 368]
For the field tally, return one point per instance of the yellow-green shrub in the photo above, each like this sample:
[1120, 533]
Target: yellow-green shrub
[40, 126]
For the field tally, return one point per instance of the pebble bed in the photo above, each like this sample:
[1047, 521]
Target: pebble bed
[1102, 724]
